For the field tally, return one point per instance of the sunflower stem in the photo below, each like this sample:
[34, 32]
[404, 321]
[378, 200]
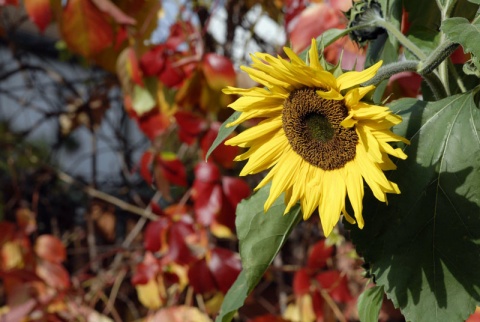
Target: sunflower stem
[437, 57]
[401, 38]
[387, 71]
[391, 69]
[436, 85]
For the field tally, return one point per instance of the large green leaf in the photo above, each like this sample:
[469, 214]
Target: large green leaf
[369, 304]
[424, 19]
[261, 235]
[424, 247]
[223, 132]
[467, 34]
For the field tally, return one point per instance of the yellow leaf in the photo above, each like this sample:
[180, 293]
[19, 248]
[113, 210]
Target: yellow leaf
[12, 256]
[301, 310]
[149, 294]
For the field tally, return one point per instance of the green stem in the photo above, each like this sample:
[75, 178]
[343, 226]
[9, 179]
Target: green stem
[457, 77]
[435, 85]
[389, 70]
[437, 57]
[401, 38]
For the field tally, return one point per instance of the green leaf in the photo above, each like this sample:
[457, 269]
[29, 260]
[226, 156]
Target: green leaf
[467, 34]
[261, 235]
[475, 1]
[424, 246]
[424, 19]
[325, 39]
[224, 132]
[369, 304]
[234, 299]
[144, 98]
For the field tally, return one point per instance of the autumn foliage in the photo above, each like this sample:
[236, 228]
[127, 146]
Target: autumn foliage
[178, 256]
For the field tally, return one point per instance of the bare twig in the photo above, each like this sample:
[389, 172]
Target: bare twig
[108, 198]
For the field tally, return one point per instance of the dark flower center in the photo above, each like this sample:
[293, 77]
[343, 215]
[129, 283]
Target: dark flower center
[312, 126]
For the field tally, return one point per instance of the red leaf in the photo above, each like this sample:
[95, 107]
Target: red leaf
[307, 26]
[225, 266]
[8, 231]
[292, 9]
[146, 166]
[234, 191]
[179, 33]
[153, 61]
[268, 318]
[301, 282]
[200, 277]
[39, 12]
[153, 124]
[406, 84]
[208, 202]
[459, 56]
[207, 172]
[8, 2]
[146, 270]
[54, 274]
[113, 11]
[50, 248]
[336, 285]
[319, 254]
[120, 38]
[475, 317]
[154, 237]
[342, 5]
[172, 169]
[178, 249]
[223, 154]
[85, 28]
[172, 76]
[318, 304]
[218, 71]
[190, 126]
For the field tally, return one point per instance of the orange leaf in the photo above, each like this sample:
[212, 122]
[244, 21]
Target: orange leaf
[50, 248]
[54, 274]
[39, 12]
[85, 28]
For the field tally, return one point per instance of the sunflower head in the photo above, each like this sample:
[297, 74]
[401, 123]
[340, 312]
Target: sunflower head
[364, 12]
[318, 138]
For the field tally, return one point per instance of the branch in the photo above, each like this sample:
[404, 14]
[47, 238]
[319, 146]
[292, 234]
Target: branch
[108, 198]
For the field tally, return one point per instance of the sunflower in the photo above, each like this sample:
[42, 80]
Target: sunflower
[317, 137]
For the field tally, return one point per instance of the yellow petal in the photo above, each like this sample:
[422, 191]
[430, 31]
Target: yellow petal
[353, 78]
[266, 155]
[355, 95]
[266, 112]
[265, 127]
[330, 95]
[288, 164]
[313, 56]
[333, 199]
[355, 190]
[293, 57]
